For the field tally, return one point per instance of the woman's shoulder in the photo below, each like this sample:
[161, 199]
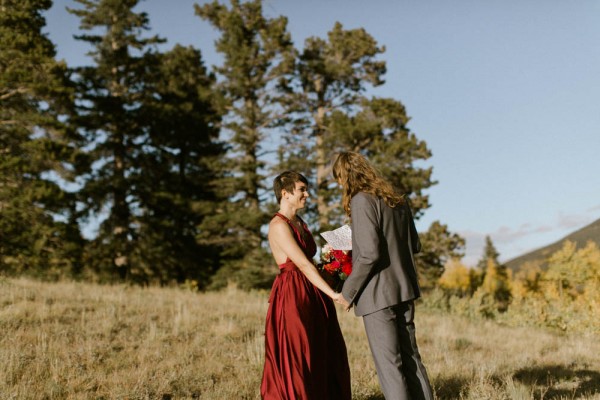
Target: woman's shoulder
[277, 221]
[363, 199]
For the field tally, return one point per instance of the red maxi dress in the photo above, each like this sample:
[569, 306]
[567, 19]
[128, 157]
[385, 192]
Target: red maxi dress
[305, 352]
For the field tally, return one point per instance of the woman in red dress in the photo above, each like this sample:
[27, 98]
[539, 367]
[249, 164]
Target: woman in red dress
[305, 353]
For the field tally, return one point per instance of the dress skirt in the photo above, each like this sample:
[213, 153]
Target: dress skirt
[305, 352]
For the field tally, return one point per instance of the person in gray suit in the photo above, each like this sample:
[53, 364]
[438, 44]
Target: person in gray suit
[383, 284]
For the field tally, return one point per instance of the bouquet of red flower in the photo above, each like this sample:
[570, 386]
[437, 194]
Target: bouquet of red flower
[337, 264]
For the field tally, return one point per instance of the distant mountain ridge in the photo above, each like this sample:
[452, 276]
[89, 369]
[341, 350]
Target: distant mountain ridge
[579, 237]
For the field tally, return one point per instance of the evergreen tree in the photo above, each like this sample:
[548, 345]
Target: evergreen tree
[257, 58]
[493, 282]
[332, 75]
[489, 253]
[439, 246]
[110, 96]
[179, 170]
[379, 131]
[329, 112]
[37, 231]
[495, 292]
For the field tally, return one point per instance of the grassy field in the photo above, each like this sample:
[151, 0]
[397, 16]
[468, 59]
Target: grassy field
[84, 341]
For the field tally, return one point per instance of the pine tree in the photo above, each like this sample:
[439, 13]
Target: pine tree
[439, 246]
[489, 253]
[332, 75]
[495, 292]
[110, 96]
[494, 288]
[379, 130]
[180, 168]
[257, 58]
[37, 231]
[330, 113]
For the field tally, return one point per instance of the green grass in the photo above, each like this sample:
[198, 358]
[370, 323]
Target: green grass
[85, 341]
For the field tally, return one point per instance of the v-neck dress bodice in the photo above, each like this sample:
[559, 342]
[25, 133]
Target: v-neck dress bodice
[304, 239]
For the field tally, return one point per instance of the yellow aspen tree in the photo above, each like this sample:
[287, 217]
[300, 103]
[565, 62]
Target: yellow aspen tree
[456, 278]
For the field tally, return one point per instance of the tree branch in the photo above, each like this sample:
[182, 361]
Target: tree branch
[13, 92]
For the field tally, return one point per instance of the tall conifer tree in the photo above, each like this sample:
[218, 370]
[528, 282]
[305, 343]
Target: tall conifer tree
[329, 112]
[489, 262]
[489, 253]
[332, 113]
[110, 100]
[257, 55]
[439, 246]
[332, 76]
[37, 231]
[179, 169]
[379, 130]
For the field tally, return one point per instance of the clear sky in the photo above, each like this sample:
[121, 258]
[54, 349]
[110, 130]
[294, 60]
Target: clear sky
[505, 93]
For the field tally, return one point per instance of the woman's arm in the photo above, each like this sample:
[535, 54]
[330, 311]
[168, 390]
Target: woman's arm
[280, 238]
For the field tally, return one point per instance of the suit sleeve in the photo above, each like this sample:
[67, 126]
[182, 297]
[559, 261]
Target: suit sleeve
[414, 236]
[365, 245]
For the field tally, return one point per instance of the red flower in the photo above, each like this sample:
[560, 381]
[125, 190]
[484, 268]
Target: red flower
[332, 267]
[342, 256]
[337, 263]
[347, 268]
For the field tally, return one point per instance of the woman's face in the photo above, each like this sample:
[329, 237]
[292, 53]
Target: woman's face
[298, 198]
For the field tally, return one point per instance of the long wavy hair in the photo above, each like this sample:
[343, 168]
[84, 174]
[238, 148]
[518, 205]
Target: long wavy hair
[356, 174]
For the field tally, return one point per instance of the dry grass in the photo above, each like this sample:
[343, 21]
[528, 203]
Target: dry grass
[83, 341]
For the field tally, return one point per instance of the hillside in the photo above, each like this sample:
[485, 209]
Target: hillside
[71, 340]
[580, 237]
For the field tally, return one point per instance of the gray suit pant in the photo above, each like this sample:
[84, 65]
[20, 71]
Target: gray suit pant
[391, 334]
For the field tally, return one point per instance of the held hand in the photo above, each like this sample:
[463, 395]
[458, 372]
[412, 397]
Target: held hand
[338, 298]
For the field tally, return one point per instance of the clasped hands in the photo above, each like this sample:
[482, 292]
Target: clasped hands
[339, 298]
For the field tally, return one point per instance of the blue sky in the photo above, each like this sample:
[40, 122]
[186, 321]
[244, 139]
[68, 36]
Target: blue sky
[505, 93]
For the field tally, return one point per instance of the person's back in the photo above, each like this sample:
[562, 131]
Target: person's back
[383, 284]
[394, 277]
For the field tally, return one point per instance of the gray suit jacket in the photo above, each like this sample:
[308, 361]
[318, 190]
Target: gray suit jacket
[383, 242]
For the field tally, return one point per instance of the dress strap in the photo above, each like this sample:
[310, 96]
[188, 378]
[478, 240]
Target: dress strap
[298, 233]
[286, 219]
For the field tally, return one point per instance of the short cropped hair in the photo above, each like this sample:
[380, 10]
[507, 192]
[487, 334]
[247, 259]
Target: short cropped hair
[287, 181]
